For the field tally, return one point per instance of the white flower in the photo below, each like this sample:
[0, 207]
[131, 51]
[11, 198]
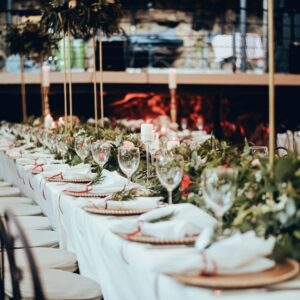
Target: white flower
[258, 176]
[256, 163]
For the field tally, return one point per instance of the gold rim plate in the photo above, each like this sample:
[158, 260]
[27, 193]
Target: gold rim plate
[282, 271]
[115, 212]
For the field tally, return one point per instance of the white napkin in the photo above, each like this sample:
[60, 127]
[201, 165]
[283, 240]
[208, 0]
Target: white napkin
[137, 203]
[80, 171]
[240, 253]
[186, 220]
[23, 161]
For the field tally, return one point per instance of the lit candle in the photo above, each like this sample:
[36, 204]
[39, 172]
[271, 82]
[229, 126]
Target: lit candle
[172, 79]
[172, 144]
[61, 122]
[46, 76]
[48, 122]
[147, 133]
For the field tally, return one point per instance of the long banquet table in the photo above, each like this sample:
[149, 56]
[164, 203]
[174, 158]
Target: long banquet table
[125, 270]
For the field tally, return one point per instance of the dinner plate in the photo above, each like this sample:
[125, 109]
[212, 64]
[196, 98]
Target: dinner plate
[139, 238]
[282, 271]
[86, 194]
[82, 180]
[115, 212]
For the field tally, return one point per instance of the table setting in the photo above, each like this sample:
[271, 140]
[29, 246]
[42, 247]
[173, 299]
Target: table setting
[203, 216]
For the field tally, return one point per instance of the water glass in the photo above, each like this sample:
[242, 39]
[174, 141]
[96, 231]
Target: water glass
[101, 152]
[129, 160]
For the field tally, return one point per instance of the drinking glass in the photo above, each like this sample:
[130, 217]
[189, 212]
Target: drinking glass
[101, 152]
[219, 188]
[129, 160]
[169, 169]
[82, 147]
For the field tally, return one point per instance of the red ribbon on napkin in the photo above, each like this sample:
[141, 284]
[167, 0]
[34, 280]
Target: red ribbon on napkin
[137, 231]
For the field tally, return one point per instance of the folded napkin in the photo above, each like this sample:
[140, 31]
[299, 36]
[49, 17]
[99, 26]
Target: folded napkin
[23, 161]
[238, 254]
[112, 182]
[137, 203]
[184, 220]
[81, 171]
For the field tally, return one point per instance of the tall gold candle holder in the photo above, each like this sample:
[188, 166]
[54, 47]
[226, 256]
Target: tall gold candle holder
[23, 89]
[173, 109]
[101, 78]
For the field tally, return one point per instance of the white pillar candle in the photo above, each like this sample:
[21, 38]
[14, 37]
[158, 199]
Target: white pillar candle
[172, 144]
[46, 76]
[48, 122]
[147, 133]
[172, 79]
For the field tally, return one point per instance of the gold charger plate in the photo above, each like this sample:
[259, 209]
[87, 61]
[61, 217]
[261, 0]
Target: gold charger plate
[282, 271]
[83, 180]
[156, 241]
[115, 212]
[85, 194]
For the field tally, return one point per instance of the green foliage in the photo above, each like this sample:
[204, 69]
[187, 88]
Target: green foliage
[83, 20]
[29, 40]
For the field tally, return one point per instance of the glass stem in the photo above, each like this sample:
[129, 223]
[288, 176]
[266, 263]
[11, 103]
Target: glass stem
[220, 225]
[170, 196]
[147, 157]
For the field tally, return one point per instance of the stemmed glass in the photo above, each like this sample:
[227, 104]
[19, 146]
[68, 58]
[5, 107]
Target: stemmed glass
[83, 147]
[219, 188]
[169, 169]
[101, 152]
[129, 160]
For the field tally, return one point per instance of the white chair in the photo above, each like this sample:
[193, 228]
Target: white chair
[58, 285]
[9, 192]
[34, 222]
[40, 238]
[5, 184]
[21, 209]
[15, 200]
[47, 258]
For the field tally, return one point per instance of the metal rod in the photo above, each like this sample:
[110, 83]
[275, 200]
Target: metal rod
[95, 85]
[265, 34]
[65, 85]
[101, 78]
[271, 84]
[70, 78]
[42, 90]
[23, 90]
[173, 108]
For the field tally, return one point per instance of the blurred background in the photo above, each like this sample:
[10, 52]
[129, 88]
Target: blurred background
[218, 47]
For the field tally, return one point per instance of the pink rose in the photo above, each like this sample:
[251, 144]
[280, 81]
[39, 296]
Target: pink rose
[128, 145]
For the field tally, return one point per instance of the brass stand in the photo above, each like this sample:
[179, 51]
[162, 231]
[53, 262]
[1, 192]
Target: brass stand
[23, 90]
[101, 79]
[271, 85]
[173, 109]
[95, 85]
[65, 86]
[70, 79]
[46, 101]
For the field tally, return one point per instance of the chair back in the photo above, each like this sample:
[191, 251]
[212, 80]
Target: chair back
[2, 266]
[15, 233]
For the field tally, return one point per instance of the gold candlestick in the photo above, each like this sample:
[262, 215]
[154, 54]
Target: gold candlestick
[23, 90]
[95, 85]
[70, 78]
[173, 109]
[46, 101]
[65, 86]
[101, 79]
[271, 84]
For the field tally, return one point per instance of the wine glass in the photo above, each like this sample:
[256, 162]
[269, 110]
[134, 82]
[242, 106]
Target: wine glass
[101, 152]
[82, 147]
[169, 169]
[129, 160]
[219, 188]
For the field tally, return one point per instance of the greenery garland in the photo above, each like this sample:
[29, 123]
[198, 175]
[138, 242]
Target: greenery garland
[253, 208]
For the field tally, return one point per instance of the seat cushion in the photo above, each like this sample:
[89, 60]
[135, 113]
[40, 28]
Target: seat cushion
[21, 209]
[58, 285]
[5, 184]
[49, 258]
[15, 200]
[34, 223]
[9, 192]
[40, 238]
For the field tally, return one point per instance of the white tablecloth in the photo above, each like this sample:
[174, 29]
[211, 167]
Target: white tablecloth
[123, 269]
